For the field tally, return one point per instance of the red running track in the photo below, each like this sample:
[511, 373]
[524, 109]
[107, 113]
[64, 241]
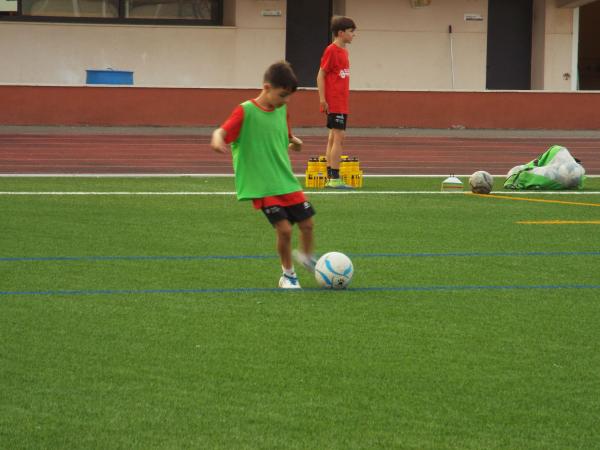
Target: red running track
[190, 154]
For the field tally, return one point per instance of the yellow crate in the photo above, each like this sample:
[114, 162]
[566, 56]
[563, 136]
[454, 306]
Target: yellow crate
[316, 172]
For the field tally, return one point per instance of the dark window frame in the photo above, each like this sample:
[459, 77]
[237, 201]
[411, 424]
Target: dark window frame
[19, 17]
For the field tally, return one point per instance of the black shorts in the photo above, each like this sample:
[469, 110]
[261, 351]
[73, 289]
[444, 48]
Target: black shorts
[294, 213]
[337, 121]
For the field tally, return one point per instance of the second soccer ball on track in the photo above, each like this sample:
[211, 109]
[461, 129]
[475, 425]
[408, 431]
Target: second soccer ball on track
[481, 182]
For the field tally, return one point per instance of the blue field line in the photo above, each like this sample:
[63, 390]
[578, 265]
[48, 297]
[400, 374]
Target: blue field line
[243, 257]
[131, 258]
[471, 254]
[83, 292]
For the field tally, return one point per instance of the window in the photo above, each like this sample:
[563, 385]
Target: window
[176, 12]
[70, 8]
[8, 6]
[169, 9]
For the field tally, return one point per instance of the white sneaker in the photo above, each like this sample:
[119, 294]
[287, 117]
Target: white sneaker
[309, 263]
[287, 282]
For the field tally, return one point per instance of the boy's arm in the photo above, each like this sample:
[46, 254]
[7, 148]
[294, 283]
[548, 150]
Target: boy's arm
[218, 140]
[228, 132]
[324, 107]
[295, 143]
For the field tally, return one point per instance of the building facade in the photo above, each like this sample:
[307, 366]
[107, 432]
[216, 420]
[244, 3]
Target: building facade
[414, 63]
[444, 45]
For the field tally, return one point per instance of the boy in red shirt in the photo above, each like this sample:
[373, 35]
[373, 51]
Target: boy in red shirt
[333, 82]
[260, 136]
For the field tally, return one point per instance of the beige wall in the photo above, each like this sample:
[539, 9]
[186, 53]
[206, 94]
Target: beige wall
[59, 54]
[397, 47]
[559, 40]
[551, 67]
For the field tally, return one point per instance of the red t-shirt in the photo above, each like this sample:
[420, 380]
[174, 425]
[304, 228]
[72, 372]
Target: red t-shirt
[233, 124]
[232, 127]
[336, 65]
[293, 198]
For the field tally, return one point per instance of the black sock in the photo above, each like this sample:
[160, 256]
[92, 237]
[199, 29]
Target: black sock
[335, 173]
[328, 171]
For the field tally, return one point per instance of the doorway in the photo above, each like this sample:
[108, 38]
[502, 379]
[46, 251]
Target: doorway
[589, 47]
[509, 44]
[307, 35]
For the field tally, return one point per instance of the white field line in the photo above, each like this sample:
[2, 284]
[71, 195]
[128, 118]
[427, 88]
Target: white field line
[200, 175]
[189, 193]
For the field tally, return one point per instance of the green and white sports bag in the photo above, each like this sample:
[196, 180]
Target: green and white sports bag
[555, 169]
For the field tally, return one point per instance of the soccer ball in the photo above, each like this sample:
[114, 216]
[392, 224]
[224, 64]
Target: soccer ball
[481, 182]
[334, 270]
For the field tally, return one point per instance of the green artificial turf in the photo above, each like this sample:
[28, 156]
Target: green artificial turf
[152, 321]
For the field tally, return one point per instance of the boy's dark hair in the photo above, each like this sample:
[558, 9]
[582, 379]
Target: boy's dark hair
[281, 75]
[341, 23]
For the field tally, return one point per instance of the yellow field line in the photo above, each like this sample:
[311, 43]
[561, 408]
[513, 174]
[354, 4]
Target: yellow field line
[528, 199]
[559, 222]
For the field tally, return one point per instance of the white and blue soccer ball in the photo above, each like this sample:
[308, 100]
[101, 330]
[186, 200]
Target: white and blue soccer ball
[334, 270]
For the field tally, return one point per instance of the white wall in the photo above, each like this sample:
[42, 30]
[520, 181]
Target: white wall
[396, 48]
[558, 43]
[59, 54]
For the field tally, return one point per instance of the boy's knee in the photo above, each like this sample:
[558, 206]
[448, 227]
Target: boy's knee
[338, 135]
[284, 229]
[306, 226]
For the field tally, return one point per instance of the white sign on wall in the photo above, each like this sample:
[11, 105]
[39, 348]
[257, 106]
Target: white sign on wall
[8, 5]
[473, 17]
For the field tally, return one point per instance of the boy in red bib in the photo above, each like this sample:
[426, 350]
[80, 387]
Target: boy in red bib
[260, 136]
[333, 82]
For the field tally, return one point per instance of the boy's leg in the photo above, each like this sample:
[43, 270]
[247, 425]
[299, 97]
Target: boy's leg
[336, 152]
[281, 222]
[305, 255]
[337, 138]
[283, 228]
[336, 122]
[289, 279]
[306, 236]
[328, 152]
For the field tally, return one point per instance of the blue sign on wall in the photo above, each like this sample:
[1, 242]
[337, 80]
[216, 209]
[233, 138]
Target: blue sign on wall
[109, 76]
